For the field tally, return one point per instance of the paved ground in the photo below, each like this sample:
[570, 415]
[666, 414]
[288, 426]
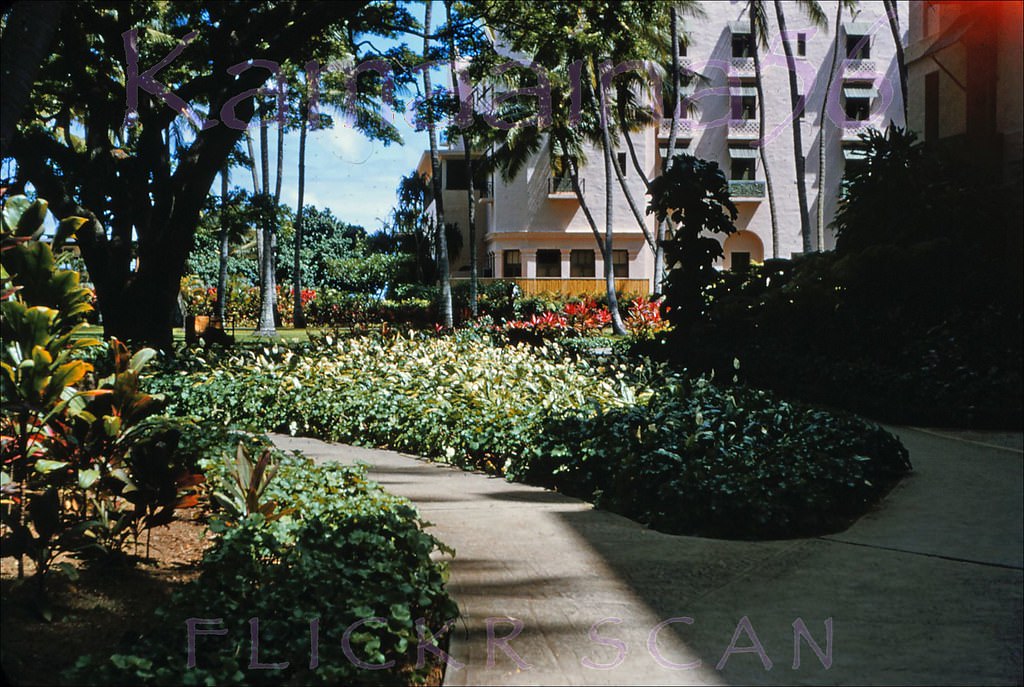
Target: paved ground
[927, 589]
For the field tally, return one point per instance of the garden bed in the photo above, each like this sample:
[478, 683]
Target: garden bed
[102, 611]
[682, 454]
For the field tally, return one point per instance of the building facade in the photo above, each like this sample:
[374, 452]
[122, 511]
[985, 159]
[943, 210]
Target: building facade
[533, 226]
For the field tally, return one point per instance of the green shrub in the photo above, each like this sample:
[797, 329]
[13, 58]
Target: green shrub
[82, 470]
[681, 455]
[344, 552]
[452, 398]
[698, 459]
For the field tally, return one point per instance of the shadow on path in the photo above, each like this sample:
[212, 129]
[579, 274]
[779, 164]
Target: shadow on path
[925, 589]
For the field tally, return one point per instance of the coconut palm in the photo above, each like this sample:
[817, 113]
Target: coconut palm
[814, 13]
[758, 17]
[823, 119]
[447, 316]
[901, 62]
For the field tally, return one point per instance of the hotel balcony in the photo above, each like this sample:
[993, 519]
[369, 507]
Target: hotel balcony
[749, 191]
[684, 128]
[859, 69]
[853, 130]
[744, 129]
[560, 188]
[741, 67]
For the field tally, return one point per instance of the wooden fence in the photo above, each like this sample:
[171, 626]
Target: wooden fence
[572, 286]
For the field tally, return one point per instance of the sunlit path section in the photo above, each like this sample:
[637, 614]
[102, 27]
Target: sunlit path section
[925, 589]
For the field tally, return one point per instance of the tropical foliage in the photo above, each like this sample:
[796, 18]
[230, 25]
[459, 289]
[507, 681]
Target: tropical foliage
[296, 542]
[538, 412]
[914, 318]
[82, 467]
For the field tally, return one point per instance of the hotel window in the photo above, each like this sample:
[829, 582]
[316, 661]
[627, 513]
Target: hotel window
[744, 103]
[801, 106]
[856, 163]
[858, 46]
[620, 263]
[581, 263]
[801, 45]
[739, 261]
[742, 44]
[742, 163]
[743, 169]
[682, 48]
[621, 159]
[857, 102]
[510, 264]
[456, 178]
[549, 263]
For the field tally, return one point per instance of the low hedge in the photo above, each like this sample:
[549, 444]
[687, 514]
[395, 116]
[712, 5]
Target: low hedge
[329, 545]
[682, 455]
[699, 459]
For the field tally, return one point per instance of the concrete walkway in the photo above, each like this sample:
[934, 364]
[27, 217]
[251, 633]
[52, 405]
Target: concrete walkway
[926, 589]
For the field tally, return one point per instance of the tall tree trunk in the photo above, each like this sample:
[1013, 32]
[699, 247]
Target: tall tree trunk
[797, 108]
[256, 191]
[761, 123]
[467, 149]
[891, 11]
[673, 137]
[277, 201]
[299, 316]
[447, 317]
[222, 271]
[266, 325]
[822, 131]
[608, 249]
[27, 38]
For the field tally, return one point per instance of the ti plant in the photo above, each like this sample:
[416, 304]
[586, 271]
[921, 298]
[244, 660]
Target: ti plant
[78, 463]
[246, 486]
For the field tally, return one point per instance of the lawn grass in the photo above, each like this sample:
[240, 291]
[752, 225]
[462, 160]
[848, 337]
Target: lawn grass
[240, 334]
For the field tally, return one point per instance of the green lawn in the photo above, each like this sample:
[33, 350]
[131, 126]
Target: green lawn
[241, 334]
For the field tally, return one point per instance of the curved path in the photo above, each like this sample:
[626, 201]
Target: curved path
[926, 589]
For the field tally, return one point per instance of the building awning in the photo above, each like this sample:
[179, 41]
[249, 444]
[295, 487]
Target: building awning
[739, 26]
[742, 152]
[742, 90]
[857, 28]
[860, 92]
[855, 154]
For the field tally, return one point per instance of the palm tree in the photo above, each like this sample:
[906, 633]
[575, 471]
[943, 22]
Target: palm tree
[266, 325]
[759, 37]
[797, 105]
[656, 242]
[894, 27]
[823, 119]
[467, 149]
[447, 316]
[298, 316]
[222, 271]
[606, 247]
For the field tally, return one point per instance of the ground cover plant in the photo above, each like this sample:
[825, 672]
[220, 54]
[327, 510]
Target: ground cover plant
[88, 464]
[296, 542]
[683, 455]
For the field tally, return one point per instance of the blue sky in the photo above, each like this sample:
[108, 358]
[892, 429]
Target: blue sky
[345, 171]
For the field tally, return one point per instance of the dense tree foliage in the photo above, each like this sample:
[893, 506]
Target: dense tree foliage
[147, 175]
